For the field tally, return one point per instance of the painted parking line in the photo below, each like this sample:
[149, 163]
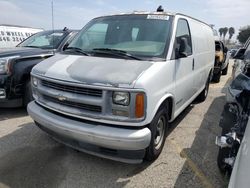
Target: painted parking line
[205, 181]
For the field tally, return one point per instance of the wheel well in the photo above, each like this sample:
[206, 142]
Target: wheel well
[26, 77]
[169, 102]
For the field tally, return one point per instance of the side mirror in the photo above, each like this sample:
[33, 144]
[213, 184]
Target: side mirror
[65, 46]
[240, 54]
[182, 50]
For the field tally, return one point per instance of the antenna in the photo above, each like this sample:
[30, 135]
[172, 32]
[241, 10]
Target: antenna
[52, 20]
[160, 9]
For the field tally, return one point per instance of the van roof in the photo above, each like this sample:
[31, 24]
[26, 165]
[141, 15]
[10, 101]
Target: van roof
[157, 13]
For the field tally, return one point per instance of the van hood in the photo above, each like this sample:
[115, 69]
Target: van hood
[22, 51]
[92, 70]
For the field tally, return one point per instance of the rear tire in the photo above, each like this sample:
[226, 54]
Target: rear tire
[203, 95]
[228, 120]
[27, 94]
[223, 167]
[224, 71]
[158, 128]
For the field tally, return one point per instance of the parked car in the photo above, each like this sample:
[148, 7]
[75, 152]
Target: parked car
[239, 59]
[114, 90]
[221, 61]
[235, 126]
[16, 64]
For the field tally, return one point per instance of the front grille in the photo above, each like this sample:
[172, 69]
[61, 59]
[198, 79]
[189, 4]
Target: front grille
[73, 89]
[86, 107]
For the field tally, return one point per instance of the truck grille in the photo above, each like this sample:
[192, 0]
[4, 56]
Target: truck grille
[72, 89]
[81, 106]
[77, 100]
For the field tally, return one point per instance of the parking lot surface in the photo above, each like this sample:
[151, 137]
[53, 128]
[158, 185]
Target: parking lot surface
[30, 158]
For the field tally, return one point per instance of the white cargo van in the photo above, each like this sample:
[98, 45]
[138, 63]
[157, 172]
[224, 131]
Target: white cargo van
[12, 35]
[119, 83]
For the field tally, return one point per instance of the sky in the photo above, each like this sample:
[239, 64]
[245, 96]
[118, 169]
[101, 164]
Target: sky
[75, 14]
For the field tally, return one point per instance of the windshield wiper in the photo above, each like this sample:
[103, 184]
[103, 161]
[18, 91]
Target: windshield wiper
[78, 50]
[120, 53]
[32, 46]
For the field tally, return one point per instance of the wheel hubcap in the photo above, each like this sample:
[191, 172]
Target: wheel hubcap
[160, 129]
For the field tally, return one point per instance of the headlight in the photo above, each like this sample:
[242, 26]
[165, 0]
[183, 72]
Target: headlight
[34, 81]
[4, 64]
[121, 98]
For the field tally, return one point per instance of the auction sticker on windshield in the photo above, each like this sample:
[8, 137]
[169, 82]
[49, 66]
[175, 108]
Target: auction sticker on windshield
[158, 17]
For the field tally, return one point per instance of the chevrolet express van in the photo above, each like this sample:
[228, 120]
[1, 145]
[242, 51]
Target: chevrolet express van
[122, 79]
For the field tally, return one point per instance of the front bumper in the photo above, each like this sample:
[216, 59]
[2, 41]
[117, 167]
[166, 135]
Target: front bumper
[114, 138]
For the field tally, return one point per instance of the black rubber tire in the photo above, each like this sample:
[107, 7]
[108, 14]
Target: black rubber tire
[151, 152]
[223, 167]
[28, 97]
[224, 71]
[203, 95]
[227, 122]
[216, 77]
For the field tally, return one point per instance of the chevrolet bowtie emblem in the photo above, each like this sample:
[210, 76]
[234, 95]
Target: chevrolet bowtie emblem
[61, 98]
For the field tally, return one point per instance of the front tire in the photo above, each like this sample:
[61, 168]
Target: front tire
[158, 128]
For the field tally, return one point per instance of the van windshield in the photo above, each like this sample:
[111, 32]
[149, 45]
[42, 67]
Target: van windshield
[44, 39]
[144, 36]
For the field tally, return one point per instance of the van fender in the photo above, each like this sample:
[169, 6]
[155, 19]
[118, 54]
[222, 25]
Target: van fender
[161, 102]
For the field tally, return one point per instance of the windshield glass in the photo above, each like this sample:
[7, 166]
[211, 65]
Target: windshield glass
[45, 39]
[138, 35]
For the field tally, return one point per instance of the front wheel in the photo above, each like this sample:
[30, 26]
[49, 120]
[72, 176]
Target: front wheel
[158, 128]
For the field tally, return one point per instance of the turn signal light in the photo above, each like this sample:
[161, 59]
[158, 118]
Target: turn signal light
[139, 105]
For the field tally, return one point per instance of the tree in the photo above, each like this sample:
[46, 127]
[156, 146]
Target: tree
[221, 31]
[225, 30]
[244, 33]
[231, 32]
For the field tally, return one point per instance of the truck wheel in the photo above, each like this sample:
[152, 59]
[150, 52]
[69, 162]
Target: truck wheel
[27, 94]
[203, 95]
[158, 128]
[223, 167]
[216, 77]
[228, 120]
[224, 71]
[223, 153]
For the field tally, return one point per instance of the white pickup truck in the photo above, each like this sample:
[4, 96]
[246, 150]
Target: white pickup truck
[119, 83]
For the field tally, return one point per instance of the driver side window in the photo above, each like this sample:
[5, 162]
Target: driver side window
[183, 41]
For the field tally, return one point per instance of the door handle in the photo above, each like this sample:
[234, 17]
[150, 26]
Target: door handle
[193, 65]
